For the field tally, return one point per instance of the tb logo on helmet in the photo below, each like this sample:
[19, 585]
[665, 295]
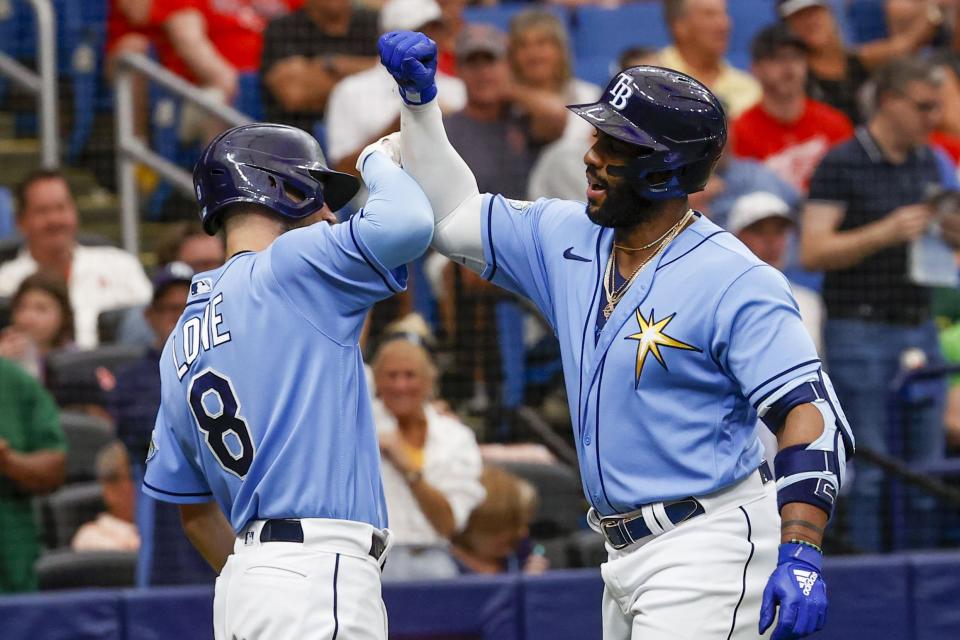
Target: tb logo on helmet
[621, 92]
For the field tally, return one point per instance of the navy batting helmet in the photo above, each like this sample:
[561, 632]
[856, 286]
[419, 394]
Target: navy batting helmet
[677, 124]
[279, 167]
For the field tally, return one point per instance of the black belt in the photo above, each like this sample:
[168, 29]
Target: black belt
[871, 313]
[292, 531]
[622, 532]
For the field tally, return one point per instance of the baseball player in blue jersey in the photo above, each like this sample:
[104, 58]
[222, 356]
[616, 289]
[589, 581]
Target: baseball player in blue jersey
[674, 339]
[265, 415]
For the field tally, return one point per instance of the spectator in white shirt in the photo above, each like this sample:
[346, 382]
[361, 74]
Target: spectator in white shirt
[99, 278]
[363, 107]
[112, 530]
[431, 464]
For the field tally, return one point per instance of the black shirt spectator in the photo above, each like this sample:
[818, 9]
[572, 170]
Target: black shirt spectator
[841, 93]
[330, 55]
[870, 186]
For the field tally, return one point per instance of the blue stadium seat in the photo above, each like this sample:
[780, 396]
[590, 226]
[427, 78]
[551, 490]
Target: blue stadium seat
[80, 29]
[749, 17]
[165, 109]
[605, 33]
[7, 224]
[509, 318]
[865, 20]
[91, 93]
[596, 69]
[249, 98]
[501, 15]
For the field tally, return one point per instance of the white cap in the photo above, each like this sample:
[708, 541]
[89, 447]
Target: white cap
[790, 7]
[755, 207]
[408, 15]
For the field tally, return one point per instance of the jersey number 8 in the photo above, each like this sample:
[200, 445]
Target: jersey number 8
[217, 411]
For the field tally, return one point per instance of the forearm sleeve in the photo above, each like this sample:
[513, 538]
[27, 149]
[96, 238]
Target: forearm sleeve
[447, 181]
[396, 223]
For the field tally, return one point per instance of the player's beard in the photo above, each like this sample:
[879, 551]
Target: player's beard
[623, 208]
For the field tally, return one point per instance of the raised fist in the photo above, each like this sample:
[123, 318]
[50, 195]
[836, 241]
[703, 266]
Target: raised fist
[411, 58]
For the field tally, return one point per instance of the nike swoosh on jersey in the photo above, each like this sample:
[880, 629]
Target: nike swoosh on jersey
[570, 255]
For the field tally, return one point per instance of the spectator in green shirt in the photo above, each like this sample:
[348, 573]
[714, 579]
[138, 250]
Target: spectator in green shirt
[32, 461]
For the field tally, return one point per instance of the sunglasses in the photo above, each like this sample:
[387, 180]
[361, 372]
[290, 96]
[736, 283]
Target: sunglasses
[924, 107]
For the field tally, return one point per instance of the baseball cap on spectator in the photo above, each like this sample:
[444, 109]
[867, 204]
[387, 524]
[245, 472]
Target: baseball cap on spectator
[769, 41]
[754, 207]
[408, 15]
[481, 38]
[169, 275]
[790, 7]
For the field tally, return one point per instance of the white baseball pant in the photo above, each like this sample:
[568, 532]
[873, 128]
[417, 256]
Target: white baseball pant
[325, 588]
[703, 579]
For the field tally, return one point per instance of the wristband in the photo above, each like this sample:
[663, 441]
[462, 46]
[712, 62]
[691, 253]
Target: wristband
[806, 544]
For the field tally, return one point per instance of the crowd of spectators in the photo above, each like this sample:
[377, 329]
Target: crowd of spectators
[838, 168]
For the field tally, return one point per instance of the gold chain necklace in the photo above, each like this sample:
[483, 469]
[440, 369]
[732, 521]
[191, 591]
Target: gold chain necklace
[615, 294]
[655, 242]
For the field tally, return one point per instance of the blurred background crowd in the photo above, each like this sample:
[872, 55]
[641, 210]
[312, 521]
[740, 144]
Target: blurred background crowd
[841, 164]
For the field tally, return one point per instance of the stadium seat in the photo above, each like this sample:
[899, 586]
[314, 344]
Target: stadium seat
[108, 323]
[76, 61]
[509, 320]
[72, 376]
[586, 548]
[562, 506]
[595, 69]
[501, 15]
[86, 436]
[64, 511]
[4, 312]
[557, 551]
[865, 20]
[75, 570]
[606, 33]
[8, 225]
[249, 98]
[91, 93]
[749, 17]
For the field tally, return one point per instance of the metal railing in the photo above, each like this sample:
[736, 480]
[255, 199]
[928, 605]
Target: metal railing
[131, 149]
[41, 83]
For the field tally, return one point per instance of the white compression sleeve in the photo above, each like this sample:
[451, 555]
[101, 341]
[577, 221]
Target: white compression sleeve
[448, 182]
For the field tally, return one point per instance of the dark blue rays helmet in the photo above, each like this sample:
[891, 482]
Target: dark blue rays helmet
[279, 167]
[676, 123]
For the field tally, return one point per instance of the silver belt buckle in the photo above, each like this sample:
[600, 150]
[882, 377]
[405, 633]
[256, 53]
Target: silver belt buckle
[620, 524]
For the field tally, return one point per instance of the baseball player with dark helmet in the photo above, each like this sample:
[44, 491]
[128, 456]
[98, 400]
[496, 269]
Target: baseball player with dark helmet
[674, 339]
[265, 434]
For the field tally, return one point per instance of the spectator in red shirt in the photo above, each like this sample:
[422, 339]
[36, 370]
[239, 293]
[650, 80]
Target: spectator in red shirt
[209, 42]
[787, 130]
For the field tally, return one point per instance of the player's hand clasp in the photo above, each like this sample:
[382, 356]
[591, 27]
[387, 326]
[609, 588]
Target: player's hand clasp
[388, 145]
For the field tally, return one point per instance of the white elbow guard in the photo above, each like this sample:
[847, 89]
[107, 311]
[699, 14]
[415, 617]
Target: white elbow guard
[458, 235]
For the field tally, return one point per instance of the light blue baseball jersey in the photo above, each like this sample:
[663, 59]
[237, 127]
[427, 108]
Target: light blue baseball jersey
[264, 400]
[663, 399]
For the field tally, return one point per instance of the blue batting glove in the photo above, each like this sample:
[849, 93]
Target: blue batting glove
[797, 588]
[411, 58]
